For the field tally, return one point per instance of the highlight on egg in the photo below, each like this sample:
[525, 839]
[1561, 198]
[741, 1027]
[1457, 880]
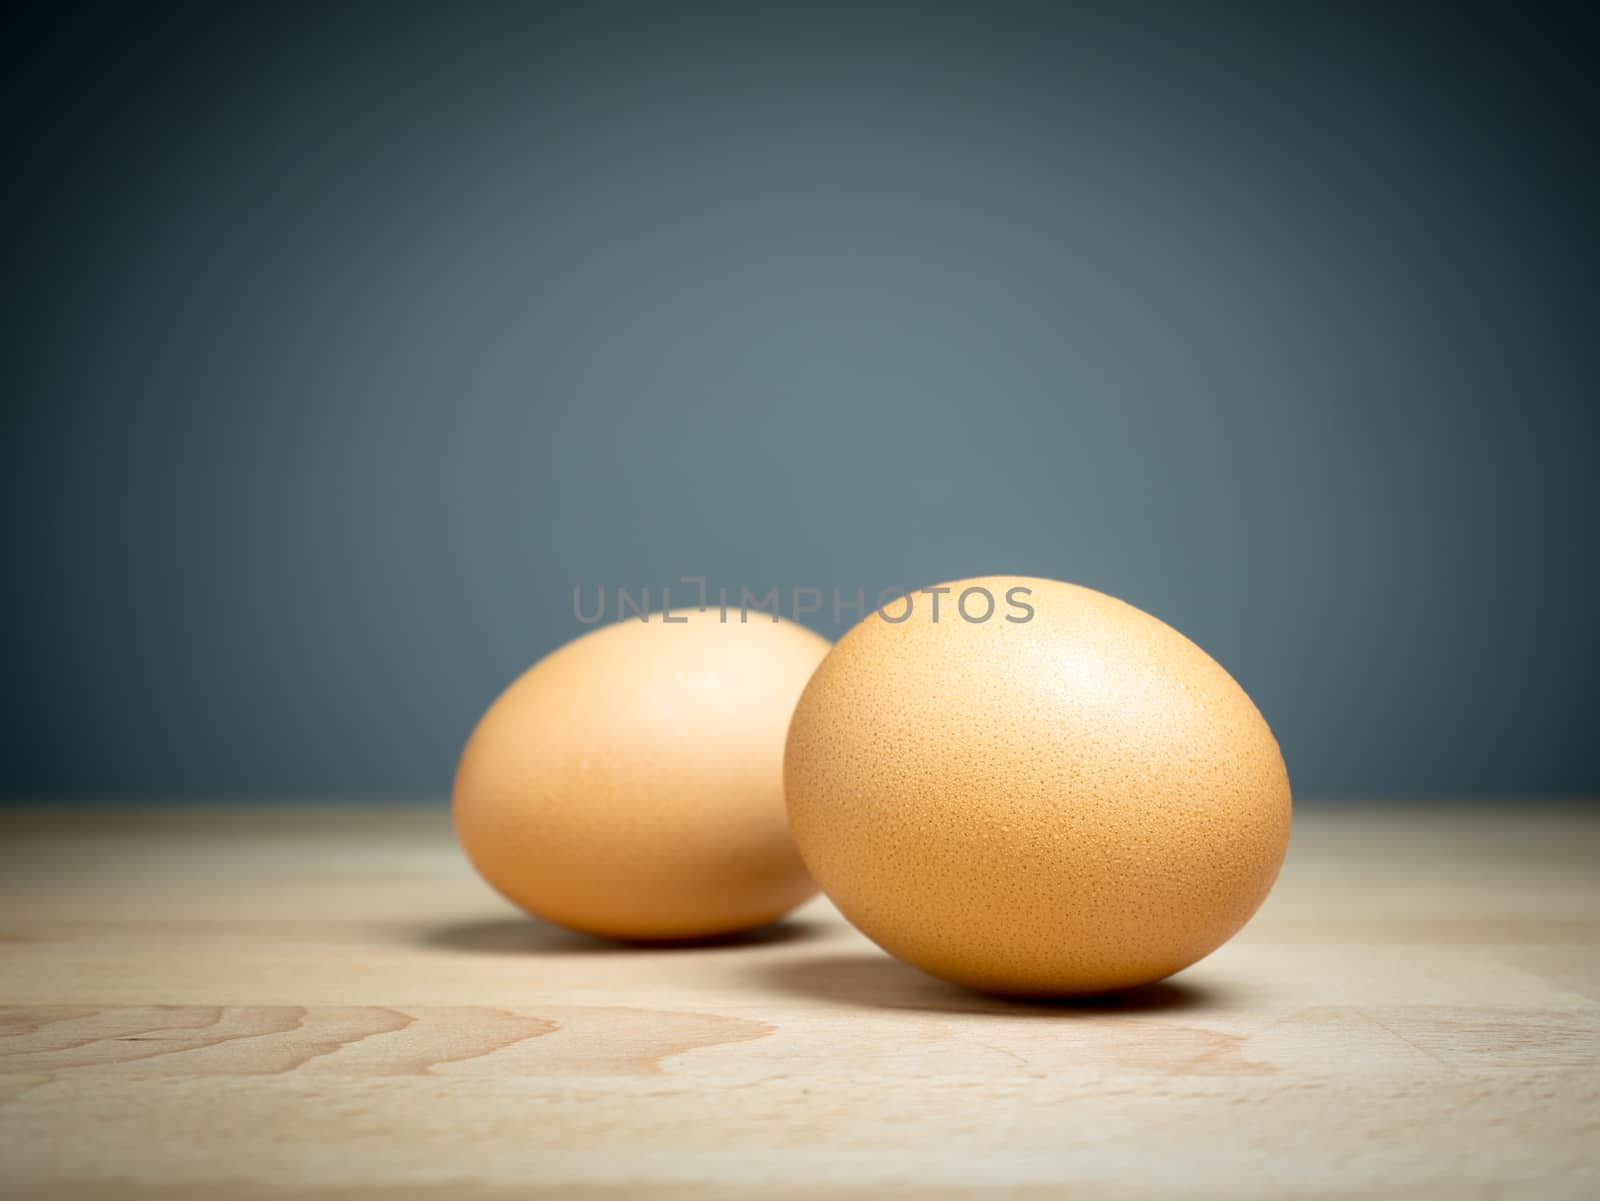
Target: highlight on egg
[630, 784]
[1076, 802]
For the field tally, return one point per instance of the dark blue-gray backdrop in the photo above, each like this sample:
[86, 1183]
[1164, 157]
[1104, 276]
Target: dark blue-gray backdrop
[341, 346]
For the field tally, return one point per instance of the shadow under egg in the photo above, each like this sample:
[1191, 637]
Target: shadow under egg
[526, 935]
[880, 982]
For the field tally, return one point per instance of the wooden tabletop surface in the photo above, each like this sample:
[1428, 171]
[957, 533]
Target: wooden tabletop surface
[250, 1003]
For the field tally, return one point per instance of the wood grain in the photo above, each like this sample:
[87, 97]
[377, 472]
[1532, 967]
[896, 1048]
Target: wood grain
[280, 1002]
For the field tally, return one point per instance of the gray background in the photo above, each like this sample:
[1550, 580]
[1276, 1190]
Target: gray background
[340, 348]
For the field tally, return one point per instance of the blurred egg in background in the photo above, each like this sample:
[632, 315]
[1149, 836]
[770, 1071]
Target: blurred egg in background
[630, 784]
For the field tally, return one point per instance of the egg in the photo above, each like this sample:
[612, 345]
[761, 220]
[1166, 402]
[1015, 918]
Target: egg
[630, 784]
[1064, 797]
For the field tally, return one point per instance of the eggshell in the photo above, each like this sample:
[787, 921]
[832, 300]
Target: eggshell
[1076, 803]
[630, 784]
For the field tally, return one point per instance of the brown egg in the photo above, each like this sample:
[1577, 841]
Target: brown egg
[631, 783]
[1075, 802]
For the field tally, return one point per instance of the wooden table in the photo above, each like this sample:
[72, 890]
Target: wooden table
[248, 1003]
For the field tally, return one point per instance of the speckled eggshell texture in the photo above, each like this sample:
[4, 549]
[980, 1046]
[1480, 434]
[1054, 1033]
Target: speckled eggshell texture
[630, 784]
[1076, 803]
